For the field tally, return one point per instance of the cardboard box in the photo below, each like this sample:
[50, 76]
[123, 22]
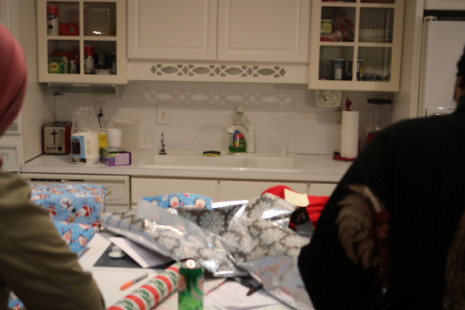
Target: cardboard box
[115, 156]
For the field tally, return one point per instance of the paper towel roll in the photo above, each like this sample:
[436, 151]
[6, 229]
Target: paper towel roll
[349, 134]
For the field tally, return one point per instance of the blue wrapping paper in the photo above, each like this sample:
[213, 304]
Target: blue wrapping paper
[180, 200]
[79, 203]
[76, 235]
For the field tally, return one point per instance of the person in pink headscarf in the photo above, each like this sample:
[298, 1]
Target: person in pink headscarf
[13, 78]
[35, 263]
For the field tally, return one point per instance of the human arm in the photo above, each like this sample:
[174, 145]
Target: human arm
[37, 264]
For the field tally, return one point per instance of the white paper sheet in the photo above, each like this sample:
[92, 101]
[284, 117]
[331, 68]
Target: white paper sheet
[144, 257]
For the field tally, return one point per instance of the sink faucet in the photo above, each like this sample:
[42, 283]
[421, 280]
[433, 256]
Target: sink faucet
[249, 135]
[162, 142]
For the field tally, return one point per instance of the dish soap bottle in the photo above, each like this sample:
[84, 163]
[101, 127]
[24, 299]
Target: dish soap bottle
[240, 126]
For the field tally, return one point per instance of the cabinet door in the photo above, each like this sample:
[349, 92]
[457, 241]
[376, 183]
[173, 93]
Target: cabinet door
[5, 13]
[321, 189]
[444, 5]
[356, 45]
[84, 42]
[172, 29]
[116, 197]
[144, 187]
[243, 190]
[263, 30]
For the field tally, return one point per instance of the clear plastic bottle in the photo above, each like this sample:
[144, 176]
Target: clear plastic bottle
[240, 126]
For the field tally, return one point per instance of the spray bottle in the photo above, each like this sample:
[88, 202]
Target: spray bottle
[243, 138]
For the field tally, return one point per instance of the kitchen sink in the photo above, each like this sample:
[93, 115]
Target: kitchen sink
[230, 162]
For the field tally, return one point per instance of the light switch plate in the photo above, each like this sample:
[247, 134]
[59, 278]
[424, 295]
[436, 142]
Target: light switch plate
[328, 98]
[163, 114]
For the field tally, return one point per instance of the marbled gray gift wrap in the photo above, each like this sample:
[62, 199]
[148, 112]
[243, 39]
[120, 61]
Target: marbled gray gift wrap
[231, 240]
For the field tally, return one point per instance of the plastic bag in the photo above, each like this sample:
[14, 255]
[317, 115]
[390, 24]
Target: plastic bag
[85, 137]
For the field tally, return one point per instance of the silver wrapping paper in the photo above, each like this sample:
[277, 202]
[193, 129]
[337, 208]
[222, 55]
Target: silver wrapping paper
[231, 240]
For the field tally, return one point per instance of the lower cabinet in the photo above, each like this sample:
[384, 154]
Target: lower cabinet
[321, 189]
[144, 187]
[117, 186]
[123, 191]
[217, 189]
[241, 190]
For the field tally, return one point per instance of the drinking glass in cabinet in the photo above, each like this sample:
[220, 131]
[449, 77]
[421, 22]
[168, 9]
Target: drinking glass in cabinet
[99, 19]
[377, 63]
[376, 25]
[334, 62]
[337, 24]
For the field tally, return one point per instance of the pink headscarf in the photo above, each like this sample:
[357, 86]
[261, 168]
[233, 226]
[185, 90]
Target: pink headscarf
[13, 78]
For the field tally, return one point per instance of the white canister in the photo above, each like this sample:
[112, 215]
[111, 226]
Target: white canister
[114, 137]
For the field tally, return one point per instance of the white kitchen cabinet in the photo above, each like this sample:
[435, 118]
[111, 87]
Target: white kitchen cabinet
[321, 189]
[444, 5]
[247, 30]
[244, 190]
[117, 186]
[263, 30]
[146, 187]
[218, 40]
[356, 45]
[5, 13]
[85, 27]
[172, 29]
[218, 190]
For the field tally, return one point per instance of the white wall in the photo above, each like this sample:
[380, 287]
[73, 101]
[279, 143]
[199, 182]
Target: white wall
[200, 114]
[37, 107]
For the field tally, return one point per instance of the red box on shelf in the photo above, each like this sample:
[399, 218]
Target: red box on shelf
[69, 29]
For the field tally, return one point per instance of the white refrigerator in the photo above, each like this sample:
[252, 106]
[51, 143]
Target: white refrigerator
[443, 44]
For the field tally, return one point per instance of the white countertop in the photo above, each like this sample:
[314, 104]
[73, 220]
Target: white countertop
[316, 168]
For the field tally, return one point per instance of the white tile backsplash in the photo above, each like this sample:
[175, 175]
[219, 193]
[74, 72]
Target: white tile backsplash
[282, 114]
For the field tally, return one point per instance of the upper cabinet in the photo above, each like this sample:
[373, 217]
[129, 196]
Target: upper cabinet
[263, 30]
[233, 39]
[444, 5]
[356, 44]
[82, 41]
[172, 29]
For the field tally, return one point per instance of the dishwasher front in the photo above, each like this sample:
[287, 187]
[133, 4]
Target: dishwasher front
[117, 186]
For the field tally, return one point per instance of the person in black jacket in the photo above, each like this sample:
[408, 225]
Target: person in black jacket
[391, 234]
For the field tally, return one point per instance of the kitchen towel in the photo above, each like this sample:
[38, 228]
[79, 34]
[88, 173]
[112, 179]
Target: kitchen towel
[349, 134]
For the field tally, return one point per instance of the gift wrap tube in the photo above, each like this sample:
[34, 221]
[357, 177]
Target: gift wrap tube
[150, 294]
[349, 134]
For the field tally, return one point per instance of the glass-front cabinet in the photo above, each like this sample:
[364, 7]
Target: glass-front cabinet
[356, 44]
[81, 41]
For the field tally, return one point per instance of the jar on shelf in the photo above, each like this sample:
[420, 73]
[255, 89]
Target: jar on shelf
[88, 59]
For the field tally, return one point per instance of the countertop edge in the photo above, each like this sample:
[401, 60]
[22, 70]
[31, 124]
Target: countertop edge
[317, 168]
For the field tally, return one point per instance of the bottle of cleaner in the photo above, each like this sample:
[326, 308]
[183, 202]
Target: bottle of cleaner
[240, 129]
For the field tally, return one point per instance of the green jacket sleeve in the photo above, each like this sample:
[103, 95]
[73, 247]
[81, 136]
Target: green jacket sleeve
[35, 262]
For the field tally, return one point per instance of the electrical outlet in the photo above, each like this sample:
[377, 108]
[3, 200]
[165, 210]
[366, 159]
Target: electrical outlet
[163, 114]
[99, 107]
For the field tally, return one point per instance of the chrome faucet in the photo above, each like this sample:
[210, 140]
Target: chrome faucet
[162, 142]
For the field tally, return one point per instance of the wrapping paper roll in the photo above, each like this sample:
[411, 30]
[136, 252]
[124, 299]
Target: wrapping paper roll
[349, 134]
[151, 293]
